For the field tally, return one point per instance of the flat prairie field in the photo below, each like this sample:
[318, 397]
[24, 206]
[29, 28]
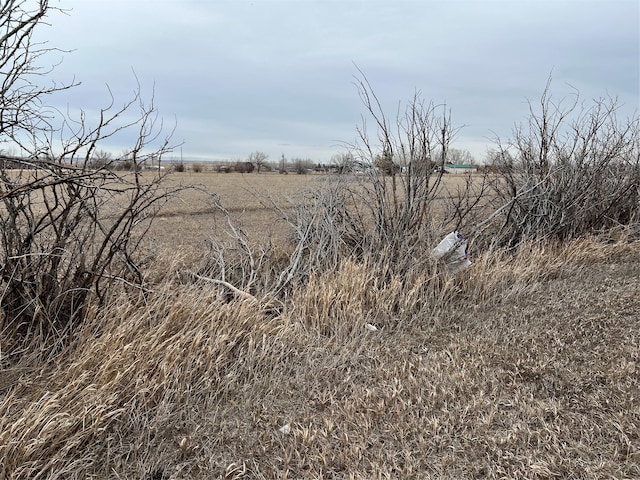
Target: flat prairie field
[188, 219]
[256, 203]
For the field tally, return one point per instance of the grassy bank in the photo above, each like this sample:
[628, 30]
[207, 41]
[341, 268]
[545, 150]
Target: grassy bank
[522, 367]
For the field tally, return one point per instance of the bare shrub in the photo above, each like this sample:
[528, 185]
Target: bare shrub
[179, 167]
[243, 167]
[68, 231]
[393, 212]
[573, 169]
[342, 163]
[302, 165]
[234, 266]
[101, 159]
[405, 160]
[197, 167]
[390, 222]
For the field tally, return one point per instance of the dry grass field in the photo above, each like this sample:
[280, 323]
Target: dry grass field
[252, 200]
[187, 220]
[523, 366]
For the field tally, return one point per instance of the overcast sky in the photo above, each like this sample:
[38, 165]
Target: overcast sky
[278, 76]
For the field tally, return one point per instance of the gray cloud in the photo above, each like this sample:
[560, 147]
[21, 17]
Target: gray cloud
[277, 76]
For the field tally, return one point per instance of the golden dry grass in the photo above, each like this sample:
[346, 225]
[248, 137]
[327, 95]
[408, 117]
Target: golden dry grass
[189, 218]
[523, 367]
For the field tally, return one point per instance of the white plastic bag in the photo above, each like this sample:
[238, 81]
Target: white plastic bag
[453, 249]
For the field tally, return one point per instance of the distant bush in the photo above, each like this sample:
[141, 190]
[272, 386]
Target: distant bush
[100, 159]
[302, 166]
[197, 167]
[243, 167]
[126, 165]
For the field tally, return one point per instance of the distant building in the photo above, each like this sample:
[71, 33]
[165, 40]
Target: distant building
[461, 168]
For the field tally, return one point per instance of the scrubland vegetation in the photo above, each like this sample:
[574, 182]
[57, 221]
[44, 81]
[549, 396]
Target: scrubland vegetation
[524, 368]
[332, 344]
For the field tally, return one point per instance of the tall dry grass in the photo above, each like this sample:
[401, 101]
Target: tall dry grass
[524, 366]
